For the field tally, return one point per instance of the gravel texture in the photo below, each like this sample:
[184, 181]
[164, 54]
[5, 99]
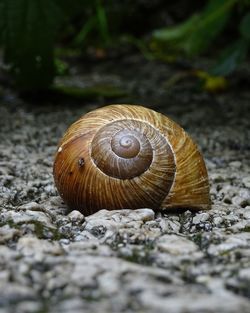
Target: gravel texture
[53, 260]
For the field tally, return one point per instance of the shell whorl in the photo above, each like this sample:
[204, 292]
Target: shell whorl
[127, 148]
[126, 156]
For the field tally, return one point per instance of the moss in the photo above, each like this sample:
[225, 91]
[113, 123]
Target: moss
[239, 287]
[140, 256]
[246, 229]
[41, 231]
[197, 239]
[137, 257]
[10, 223]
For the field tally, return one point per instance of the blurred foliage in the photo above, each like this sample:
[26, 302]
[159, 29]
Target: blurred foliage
[28, 33]
[28, 30]
[87, 93]
[196, 34]
[34, 34]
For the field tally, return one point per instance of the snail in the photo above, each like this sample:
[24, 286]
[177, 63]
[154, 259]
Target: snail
[129, 156]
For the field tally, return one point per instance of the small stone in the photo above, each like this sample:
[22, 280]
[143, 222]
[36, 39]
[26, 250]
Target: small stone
[203, 279]
[241, 226]
[76, 217]
[231, 218]
[7, 255]
[99, 227]
[106, 223]
[31, 206]
[169, 226]
[199, 218]
[146, 214]
[64, 241]
[15, 290]
[231, 243]
[30, 216]
[7, 233]
[28, 307]
[37, 248]
[75, 305]
[217, 177]
[56, 201]
[176, 245]
[235, 164]
[84, 235]
[246, 181]
[245, 193]
[210, 164]
[4, 276]
[240, 201]
[228, 191]
[246, 212]
[49, 189]
[244, 274]
[218, 221]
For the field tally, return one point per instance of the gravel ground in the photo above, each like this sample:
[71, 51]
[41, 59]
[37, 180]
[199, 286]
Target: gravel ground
[52, 260]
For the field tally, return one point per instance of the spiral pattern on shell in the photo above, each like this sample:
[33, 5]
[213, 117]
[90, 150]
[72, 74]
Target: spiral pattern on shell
[131, 148]
[124, 156]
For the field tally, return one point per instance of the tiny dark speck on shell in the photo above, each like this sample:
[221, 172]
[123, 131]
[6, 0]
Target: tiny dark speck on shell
[81, 162]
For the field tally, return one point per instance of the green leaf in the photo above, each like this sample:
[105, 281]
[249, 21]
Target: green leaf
[85, 31]
[245, 27]
[196, 34]
[177, 32]
[231, 57]
[212, 21]
[102, 21]
[30, 29]
[1, 20]
[97, 23]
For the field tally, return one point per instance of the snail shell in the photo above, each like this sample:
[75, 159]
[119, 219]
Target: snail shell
[128, 156]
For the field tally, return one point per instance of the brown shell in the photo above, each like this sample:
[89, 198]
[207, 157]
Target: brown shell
[128, 156]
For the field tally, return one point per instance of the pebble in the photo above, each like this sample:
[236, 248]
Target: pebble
[244, 193]
[76, 217]
[218, 221]
[31, 206]
[217, 177]
[104, 224]
[37, 248]
[168, 226]
[146, 214]
[240, 201]
[176, 245]
[235, 164]
[7, 233]
[246, 213]
[28, 307]
[231, 242]
[244, 274]
[241, 226]
[246, 181]
[199, 218]
[28, 216]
